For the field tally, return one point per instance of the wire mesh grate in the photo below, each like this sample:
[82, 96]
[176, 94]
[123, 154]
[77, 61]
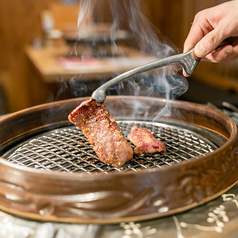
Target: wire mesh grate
[67, 150]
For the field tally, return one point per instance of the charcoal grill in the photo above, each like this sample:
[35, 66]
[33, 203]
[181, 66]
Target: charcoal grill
[49, 171]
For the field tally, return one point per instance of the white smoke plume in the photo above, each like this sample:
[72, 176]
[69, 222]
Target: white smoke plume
[129, 15]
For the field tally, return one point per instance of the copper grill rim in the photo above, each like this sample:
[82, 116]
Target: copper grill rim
[137, 201]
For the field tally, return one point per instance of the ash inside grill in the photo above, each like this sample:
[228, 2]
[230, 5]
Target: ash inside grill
[67, 150]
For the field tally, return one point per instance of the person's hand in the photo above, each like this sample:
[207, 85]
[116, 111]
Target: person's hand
[210, 27]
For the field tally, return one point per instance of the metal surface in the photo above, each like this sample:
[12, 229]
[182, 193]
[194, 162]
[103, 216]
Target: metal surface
[188, 61]
[68, 150]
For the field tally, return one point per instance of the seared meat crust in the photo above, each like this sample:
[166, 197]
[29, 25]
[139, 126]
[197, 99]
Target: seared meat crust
[102, 131]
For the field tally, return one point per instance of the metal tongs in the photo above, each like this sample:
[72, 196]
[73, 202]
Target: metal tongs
[188, 61]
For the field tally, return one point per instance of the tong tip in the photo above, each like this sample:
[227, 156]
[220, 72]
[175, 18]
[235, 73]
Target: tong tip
[99, 95]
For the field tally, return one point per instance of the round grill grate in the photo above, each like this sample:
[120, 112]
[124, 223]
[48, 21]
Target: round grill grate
[67, 150]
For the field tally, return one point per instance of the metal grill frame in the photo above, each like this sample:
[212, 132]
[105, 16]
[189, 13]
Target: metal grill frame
[67, 150]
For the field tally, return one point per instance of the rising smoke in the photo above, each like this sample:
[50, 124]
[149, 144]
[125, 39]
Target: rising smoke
[128, 15]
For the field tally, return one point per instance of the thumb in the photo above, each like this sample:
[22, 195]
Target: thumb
[207, 44]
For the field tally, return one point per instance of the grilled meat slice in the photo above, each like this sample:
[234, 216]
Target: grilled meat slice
[145, 141]
[102, 131]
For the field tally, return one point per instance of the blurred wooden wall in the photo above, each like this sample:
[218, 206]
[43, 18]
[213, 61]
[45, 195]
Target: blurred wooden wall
[20, 24]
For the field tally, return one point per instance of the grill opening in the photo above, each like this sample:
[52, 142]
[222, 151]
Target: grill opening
[68, 150]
